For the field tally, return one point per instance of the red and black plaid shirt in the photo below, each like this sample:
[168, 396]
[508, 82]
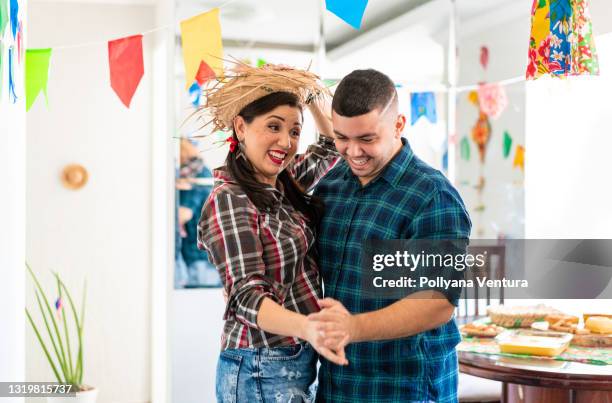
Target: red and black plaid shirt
[263, 253]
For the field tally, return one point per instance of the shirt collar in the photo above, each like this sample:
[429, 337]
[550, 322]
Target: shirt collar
[394, 170]
[222, 175]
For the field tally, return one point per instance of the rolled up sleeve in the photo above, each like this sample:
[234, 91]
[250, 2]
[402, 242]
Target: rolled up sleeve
[308, 168]
[229, 231]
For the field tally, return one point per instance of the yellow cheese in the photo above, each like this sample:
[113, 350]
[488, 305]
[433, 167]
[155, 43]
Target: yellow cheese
[599, 324]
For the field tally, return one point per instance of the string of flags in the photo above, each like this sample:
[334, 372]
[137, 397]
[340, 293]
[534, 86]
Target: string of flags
[561, 44]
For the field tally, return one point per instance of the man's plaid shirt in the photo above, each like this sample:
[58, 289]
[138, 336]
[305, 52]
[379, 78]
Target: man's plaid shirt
[408, 200]
[262, 254]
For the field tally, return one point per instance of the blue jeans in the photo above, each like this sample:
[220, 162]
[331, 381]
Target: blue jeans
[267, 375]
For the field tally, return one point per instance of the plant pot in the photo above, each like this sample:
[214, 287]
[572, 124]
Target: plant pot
[86, 396]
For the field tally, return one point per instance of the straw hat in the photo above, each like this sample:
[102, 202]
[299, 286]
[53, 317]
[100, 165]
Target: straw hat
[244, 84]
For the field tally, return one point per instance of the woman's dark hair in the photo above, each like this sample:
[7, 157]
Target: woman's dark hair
[242, 171]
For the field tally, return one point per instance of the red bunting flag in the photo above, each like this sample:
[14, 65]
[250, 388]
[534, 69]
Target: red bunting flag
[126, 66]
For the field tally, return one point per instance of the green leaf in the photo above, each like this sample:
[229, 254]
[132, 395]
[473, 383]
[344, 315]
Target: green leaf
[42, 344]
[67, 335]
[44, 315]
[79, 365]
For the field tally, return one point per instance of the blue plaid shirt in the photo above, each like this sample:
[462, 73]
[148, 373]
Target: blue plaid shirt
[408, 200]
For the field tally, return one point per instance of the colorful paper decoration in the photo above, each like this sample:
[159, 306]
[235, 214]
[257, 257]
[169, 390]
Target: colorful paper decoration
[350, 11]
[195, 92]
[423, 104]
[481, 134]
[126, 66]
[201, 40]
[561, 42]
[465, 148]
[519, 158]
[3, 17]
[507, 144]
[492, 99]
[204, 73]
[36, 74]
[484, 57]
[13, 15]
[261, 62]
[20, 42]
[11, 71]
[473, 98]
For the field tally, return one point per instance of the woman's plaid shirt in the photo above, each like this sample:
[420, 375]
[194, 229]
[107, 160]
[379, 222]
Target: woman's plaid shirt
[262, 254]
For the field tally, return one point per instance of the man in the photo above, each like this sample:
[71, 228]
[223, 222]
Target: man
[401, 350]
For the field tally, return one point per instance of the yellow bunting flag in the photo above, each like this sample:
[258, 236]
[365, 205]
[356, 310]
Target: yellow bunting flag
[202, 46]
[36, 74]
[519, 158]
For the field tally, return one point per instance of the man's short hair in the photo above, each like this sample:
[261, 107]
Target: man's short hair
[363, 91]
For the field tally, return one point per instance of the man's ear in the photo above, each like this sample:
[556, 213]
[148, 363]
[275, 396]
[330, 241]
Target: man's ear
[239, 127]
[400, 124]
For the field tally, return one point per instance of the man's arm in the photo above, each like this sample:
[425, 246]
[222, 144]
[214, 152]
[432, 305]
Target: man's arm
[415, 314]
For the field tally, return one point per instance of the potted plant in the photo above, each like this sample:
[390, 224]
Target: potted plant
[67, 370]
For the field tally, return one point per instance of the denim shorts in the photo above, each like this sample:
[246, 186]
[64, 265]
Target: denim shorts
[267, 375]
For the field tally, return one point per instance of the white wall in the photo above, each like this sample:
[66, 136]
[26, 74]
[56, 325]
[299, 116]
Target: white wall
[12, 217]
[101, 232]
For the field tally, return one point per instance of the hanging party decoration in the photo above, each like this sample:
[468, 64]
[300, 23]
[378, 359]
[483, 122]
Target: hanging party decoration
[3, 17]
[36, 74]
[507, 145]
[350, 11]
[202, 47]
[561, 42]
[11, 72]
[473, 98]
[464, 149]
[481, 134]
[14, 4]
[423, 104]
[261, 62]
[126, 66]
[195, 92]
[519, 158]
[484, 57]
[492, 99]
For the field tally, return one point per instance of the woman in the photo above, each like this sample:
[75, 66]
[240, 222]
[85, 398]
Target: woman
[258, 226]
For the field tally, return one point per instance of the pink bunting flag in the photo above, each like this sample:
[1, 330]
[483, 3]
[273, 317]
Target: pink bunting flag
[126, 66]
[484, 57]
[492, 99]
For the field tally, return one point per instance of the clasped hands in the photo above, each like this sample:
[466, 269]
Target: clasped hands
[330, 330]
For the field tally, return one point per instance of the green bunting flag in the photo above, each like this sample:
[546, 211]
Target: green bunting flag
[36, 74]
[507, 144]
[465, 148]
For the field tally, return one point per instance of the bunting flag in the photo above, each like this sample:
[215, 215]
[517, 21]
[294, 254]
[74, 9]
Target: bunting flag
[561, 42]
[126, 66]
[350, 11]
[195, 92]
[492, 99]
[202, 47]
[11, 72]
[261, 62]
[423, 104]
[3, 17]
[465, 148]
[13, 15]
[519, 158]
[36, 74]
[507, 144]
[473, 98]
[484, 57]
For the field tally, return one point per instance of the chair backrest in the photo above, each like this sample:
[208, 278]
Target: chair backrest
[495, 269]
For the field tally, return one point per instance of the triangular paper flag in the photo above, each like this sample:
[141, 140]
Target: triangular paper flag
[261, 62]
[14, 14]
[423, 104]
[350, 11]
[519, 158]
[126, 66]
[194, 94]
[465, 149]
[507, 144]
[204, 73]
[36, 74]
[201, 40]
[3, 17]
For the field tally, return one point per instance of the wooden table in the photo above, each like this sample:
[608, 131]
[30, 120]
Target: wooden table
[528, 380]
